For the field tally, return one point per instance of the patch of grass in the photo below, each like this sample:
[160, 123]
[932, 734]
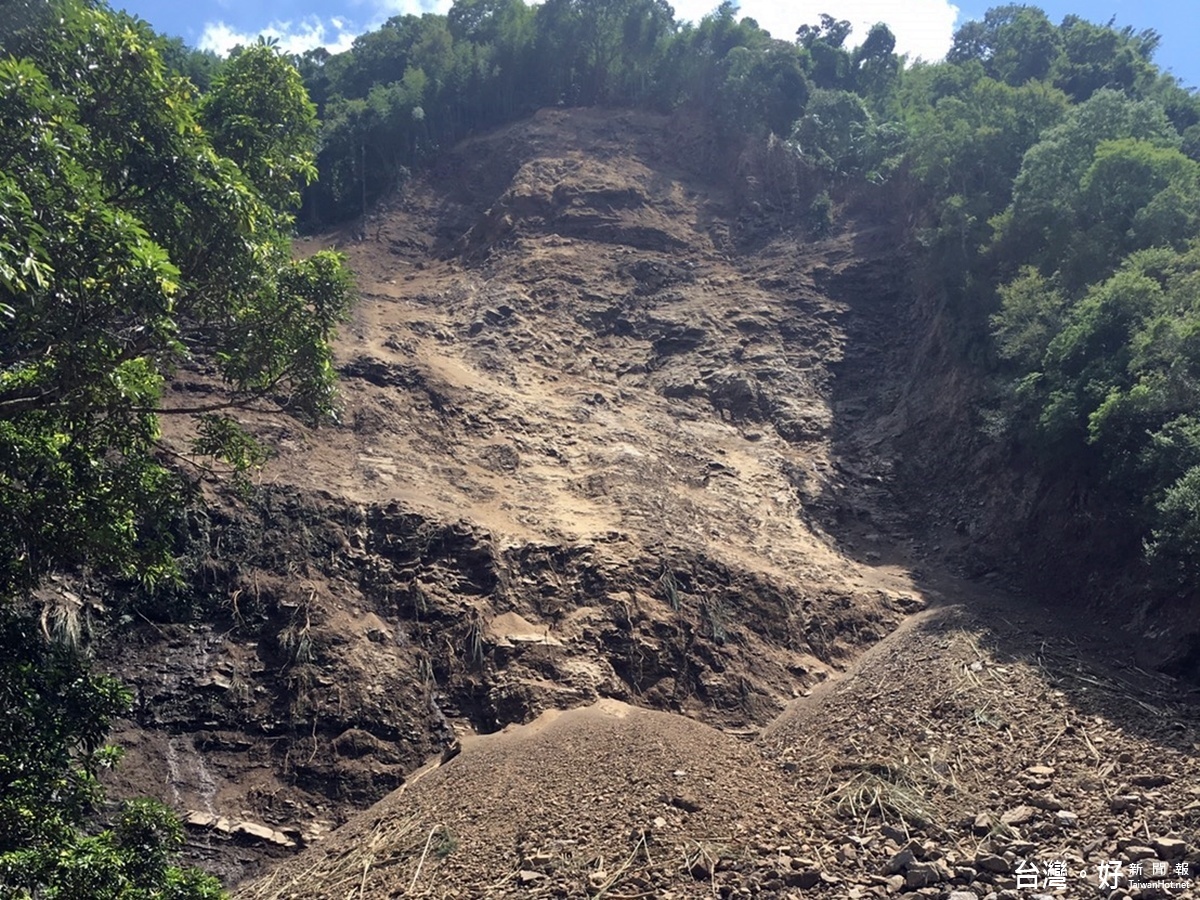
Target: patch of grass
[998, 830]
[444, 843]
[890, 791]
[983, 716]
[670, 588]
[295, 639]
[241, 690]
[295, 642]
[298, 650]
[714, 615]
[474, 641]
[425, 670]
[392, 842]
[63, 619]
[700, 861]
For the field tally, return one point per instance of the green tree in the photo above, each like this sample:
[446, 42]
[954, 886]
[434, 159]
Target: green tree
[1031, 314]
[379, 56]
[831, 31]
[696, 62]
[129, 245]
[836, 133]
[197, 66]
[1174, 547]
[259, 115]
[876, 67]
[1042, 223]
[51, 750]
[764, 89]
[1134, 195]
[1113, 382]
[1095, 57]
[967, 135]
[829, 61]
[601, 51]
[316, 75]
[1015, 43]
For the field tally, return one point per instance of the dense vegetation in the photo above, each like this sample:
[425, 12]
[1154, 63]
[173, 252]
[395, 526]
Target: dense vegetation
[147, 195]
[1062, 191]
[420, 83]
[141, 228]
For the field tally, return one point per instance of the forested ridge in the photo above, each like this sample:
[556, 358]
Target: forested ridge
[149, 194]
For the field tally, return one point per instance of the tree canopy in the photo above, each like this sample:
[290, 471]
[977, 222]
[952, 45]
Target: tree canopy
[141, 229]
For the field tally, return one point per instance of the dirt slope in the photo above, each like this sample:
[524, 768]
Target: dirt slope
[615, 441]
[974, 744]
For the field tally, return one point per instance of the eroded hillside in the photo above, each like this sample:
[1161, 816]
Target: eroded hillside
[616, 427]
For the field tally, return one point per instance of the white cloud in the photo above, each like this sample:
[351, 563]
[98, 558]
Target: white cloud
[335, 34]
[293, 37]
[386, 8]
[923, 28]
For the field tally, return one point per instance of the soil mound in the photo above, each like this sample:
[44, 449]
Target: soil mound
[582, 801]
[977, 749]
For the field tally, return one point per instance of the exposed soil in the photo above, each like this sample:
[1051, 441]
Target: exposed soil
[974, 744]
[613, 510]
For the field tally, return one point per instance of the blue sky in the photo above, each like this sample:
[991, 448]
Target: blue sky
[923, 28]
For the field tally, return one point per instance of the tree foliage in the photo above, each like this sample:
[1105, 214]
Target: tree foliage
[1058, 216]
[258, 114]
[420, 83]
[141, 230]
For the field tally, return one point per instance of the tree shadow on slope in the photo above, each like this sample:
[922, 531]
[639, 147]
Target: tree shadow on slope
[881, 516]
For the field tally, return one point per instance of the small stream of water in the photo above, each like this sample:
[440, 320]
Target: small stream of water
[188, 775]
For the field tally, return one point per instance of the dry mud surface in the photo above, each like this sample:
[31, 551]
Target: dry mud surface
[973, 746]
[607, 531]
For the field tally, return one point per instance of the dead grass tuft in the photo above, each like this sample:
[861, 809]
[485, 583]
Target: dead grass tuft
[889, 790]
[392, 847]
